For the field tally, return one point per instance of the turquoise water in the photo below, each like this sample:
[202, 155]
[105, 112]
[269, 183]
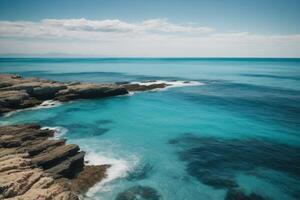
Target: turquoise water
[240, 129]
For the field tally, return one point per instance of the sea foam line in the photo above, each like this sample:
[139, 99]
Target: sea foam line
[171, 84]
[47, 104]
[44, 104]
[119, 168]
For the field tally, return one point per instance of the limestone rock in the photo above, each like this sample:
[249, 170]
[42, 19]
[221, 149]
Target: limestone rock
[34, 167]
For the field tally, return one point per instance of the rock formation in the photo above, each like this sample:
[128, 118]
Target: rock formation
[18, 93]
[140, 87]
[32, 166]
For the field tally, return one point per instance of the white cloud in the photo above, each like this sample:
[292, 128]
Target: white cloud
[153, 37]
[83, 28]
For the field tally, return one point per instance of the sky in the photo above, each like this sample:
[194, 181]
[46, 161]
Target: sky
[156, 28]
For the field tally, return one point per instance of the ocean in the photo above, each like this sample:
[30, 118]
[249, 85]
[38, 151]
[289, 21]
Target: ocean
[237, 128]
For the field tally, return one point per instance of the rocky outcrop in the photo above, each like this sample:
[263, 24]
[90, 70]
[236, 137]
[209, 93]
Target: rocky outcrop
[88, 91]
[19, 93]
[19, 179]
[32, 166]
[142, 87]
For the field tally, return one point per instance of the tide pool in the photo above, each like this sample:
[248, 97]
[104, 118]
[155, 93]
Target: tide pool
[238, 129]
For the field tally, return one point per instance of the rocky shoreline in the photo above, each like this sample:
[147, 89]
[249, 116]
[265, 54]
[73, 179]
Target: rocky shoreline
[34, 166]
[17, 92]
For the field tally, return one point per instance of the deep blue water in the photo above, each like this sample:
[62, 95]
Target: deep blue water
[241, 129]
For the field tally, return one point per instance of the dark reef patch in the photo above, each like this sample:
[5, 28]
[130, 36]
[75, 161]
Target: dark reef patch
[266, 104]
[215, 161]
[100, 131]
[239, 195]
[140, 172]
[295, 78]
[103, 121]
[86, 130]
[139, 193]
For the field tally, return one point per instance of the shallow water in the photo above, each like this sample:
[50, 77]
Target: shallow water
[239, 129]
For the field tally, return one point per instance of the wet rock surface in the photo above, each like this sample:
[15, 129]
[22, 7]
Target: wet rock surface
[139, 193]
[34, 167]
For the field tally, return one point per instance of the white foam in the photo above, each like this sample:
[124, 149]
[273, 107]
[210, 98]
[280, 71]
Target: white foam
[119, 168]
[171, 84]
[47, 104]
[44, 104]
[12, 113]
[59, 131]
[128, 94]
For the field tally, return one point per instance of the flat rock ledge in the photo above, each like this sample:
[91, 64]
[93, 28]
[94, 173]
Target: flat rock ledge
[17, 92]
[34, 166]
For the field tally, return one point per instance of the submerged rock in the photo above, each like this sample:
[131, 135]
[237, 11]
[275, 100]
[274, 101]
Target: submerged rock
[216, 162]
[140, 172]
[239, 195]
[139, 193]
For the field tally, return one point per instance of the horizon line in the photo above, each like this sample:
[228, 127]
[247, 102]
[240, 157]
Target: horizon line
[140, 57]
